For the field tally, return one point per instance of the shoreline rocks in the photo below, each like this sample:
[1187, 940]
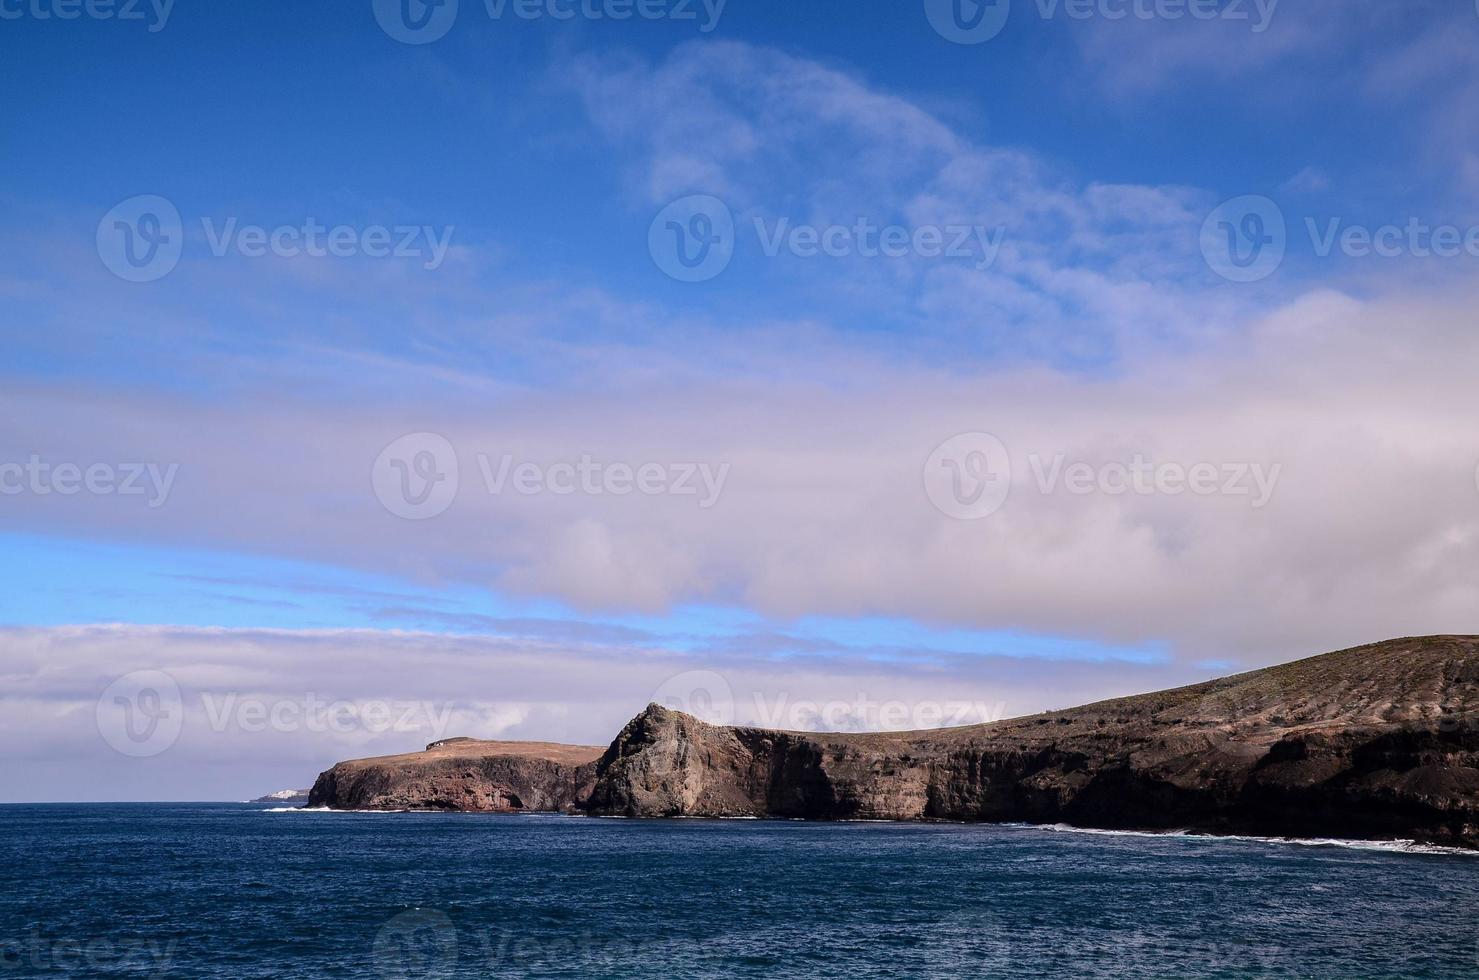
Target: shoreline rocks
[464, 775]
[1378, 742]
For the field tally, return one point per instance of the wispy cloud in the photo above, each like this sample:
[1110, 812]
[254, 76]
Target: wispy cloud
[249, 711]
[1355, 403]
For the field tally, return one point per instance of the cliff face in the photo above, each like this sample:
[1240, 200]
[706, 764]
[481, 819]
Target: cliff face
[1379, 741]
[467, 774]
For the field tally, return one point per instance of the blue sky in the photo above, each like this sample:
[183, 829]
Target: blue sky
[1087, 167]
[57, 582]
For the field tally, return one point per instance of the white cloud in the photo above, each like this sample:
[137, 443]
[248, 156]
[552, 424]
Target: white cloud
[1366, 407]
[777, 136]
[1370, 528]
[261, 710]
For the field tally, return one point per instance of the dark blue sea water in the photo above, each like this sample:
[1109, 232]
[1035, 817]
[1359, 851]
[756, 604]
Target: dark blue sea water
[213, 890]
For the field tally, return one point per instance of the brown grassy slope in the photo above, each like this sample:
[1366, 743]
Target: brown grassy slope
[1415, 679]
[558, 752]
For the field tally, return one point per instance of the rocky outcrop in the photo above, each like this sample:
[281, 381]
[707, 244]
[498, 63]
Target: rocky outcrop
[1377, 742]
[1380, 741]
[464, 774]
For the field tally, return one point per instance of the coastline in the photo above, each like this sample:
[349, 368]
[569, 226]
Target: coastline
[1403, 846]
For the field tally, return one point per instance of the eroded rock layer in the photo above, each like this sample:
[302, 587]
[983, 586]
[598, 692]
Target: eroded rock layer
[1380, 741]
[494, 777]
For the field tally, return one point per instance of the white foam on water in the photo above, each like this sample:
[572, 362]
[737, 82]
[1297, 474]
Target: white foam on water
[1389, 846]
[325, 809]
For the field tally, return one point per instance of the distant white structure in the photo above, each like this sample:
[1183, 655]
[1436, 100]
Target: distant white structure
[448, 741]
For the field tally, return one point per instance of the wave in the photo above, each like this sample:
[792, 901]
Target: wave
[1388, 846]
[325, 809]
[448, 813]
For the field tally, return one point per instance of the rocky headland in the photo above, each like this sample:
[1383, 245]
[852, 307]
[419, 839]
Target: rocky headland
[1380, 741]
[464, 774]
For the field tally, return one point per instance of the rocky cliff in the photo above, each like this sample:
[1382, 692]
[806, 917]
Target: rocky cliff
[464, 774]
[1380, 741]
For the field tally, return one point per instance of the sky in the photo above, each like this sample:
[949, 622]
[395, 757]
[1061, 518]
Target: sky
[380, 371]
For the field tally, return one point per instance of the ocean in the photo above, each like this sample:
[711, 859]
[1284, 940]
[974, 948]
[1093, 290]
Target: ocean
[241, 890]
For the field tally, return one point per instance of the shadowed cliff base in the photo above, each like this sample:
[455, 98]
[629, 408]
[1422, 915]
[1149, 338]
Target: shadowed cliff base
[1378, 742]
[464, 774]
